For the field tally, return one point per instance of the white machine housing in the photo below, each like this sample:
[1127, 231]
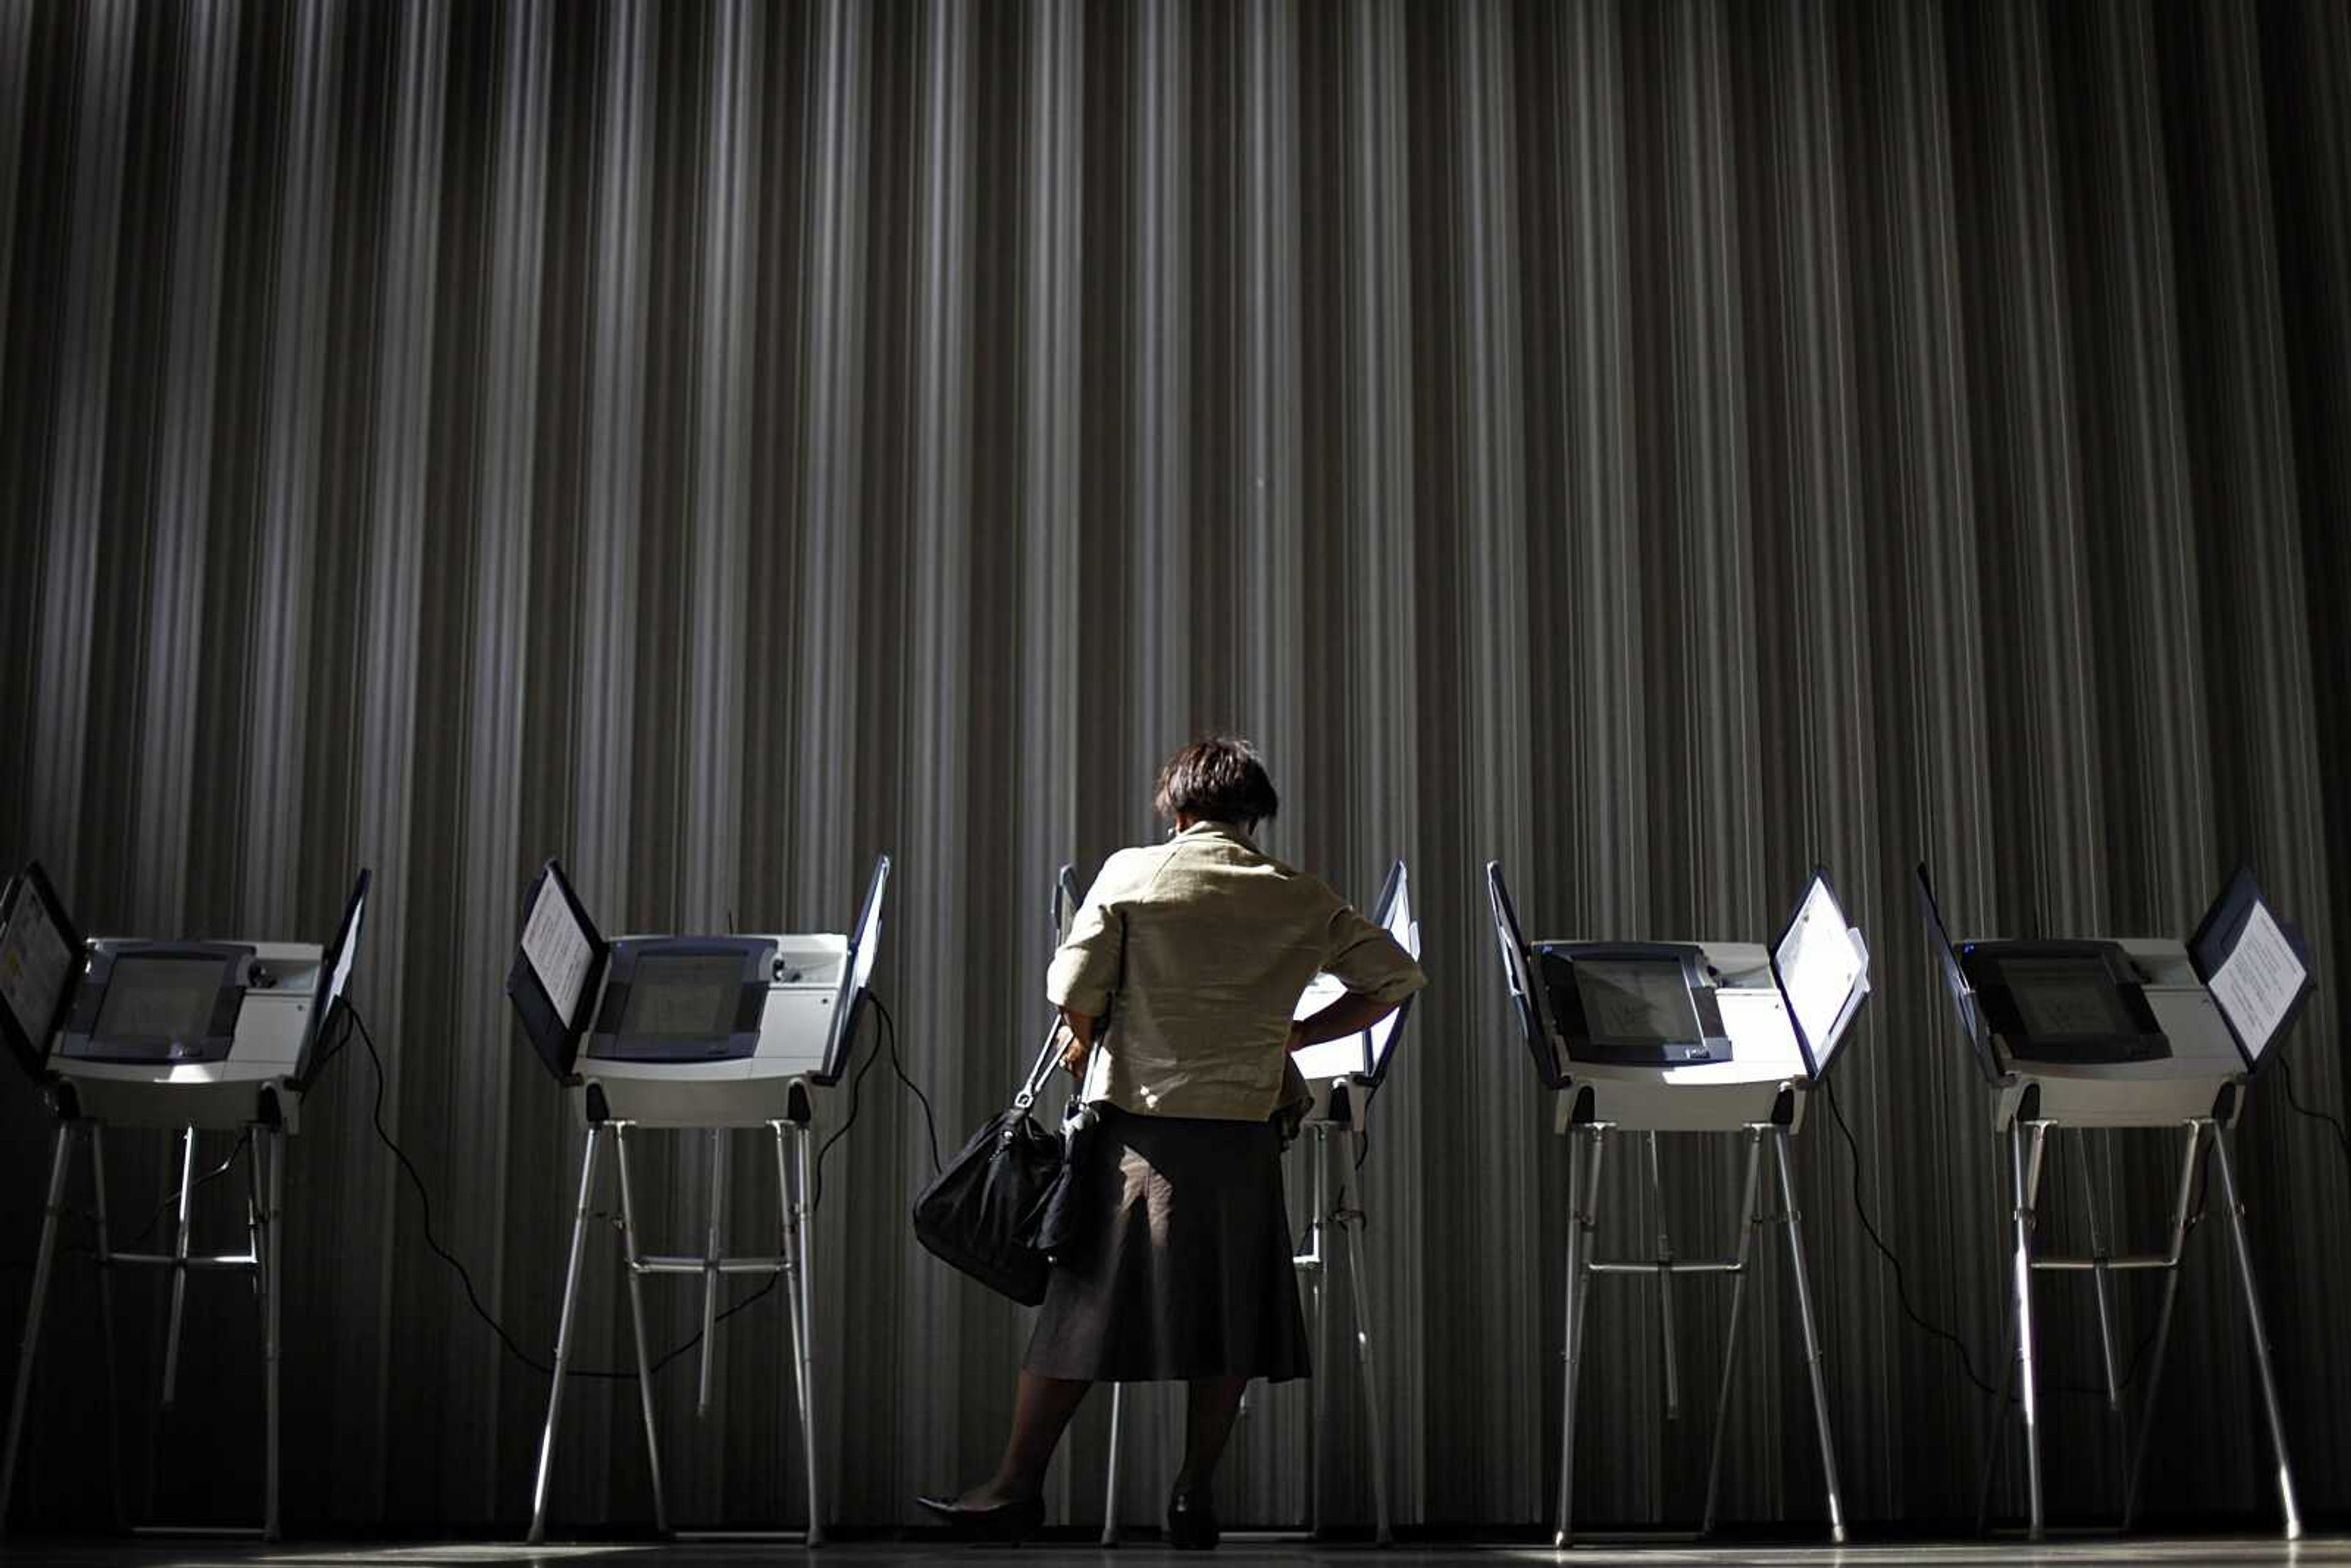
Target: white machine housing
[1782, 1026]
[289, 992]
[796, 1031]
[273, 1031]
[806, 1019]
[2209, 1051]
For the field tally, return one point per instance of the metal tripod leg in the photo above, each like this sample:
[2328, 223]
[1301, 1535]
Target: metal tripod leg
[2024, 1173]
[1318, 1188]
[2163, 1321]
[2102, 1281]
[1352, 1227]
[713, 1253]
[1794, 1220]
[1748, 1221]
[804, 1221]
[106, 1322]
[788, 1238]
[1996, 1436]
[637, 1319]
[563, 1336]
[272, 1294]
[1664, 1285]
[1110, 1486]
[2236, 1215]
[179, 1268]
[1582, 1196]
[60, 1157]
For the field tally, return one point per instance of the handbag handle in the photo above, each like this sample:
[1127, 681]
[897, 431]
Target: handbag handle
[1034, 1083]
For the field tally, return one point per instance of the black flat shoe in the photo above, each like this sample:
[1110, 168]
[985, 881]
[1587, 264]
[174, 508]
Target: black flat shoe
[1010, 1523]
[1191, 1521]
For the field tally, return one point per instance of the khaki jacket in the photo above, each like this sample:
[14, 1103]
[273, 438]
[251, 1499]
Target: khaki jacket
[1208, 942]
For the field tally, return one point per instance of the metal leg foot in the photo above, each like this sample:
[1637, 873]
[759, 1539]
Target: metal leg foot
[60, 1157]
[637, 1320]
[2236, 1216]
[1582, 1196]
[563, 1336]
[1795, 1224]
[1748, 1220]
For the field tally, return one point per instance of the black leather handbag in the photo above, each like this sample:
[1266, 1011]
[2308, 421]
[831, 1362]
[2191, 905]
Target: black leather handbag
[983, 1214]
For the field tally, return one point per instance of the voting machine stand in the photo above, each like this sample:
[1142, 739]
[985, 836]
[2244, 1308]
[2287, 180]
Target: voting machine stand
[692, 1034]
[183, 1036]
[2098, 1035]
[1643, 1038]
[1343, 1075]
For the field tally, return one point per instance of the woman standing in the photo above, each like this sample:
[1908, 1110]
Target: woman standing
[1205, 944]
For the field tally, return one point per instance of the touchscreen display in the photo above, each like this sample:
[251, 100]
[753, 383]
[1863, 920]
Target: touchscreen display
[159, 998]
[2065, 998]
[1636, 999]
[683, 997]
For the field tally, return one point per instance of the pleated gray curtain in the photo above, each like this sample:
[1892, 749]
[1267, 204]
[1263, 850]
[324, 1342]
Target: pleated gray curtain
[1660, 445]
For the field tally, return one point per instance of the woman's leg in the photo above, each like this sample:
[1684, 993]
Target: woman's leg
[1207, 1423]
[1041, 1408]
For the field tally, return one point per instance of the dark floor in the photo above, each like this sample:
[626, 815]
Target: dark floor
[153, 1553]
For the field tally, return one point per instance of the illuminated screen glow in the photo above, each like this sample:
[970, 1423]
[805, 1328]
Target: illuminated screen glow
[1818, 965]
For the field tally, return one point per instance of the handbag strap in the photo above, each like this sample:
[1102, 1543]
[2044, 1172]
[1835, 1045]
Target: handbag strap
[1034, 1083]
[1048, 1058]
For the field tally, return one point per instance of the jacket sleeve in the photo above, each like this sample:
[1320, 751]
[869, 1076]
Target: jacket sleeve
[1369, 961]
[1085, 967]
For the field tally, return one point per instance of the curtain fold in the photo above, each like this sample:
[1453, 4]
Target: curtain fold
[1661, 445]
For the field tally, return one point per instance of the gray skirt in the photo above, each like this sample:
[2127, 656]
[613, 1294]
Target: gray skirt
[1186, 1271]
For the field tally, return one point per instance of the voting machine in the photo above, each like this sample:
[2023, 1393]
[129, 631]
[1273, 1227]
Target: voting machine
[1685, 1037]
[182, 1035]
[706, 1033]
[2095, 1033]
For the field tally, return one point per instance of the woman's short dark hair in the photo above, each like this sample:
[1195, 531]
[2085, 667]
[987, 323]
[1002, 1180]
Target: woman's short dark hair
[1218, 780]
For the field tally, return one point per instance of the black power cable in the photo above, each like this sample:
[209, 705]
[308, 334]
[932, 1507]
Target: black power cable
[464, 1276]
[1966, 1364]
[351, 1020]
[243, 1140]
[856, 1083]
[930, 1121]
[2342, 1134]
[1901, 1286]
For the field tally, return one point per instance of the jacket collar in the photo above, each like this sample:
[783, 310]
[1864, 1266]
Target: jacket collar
[1217, 831]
